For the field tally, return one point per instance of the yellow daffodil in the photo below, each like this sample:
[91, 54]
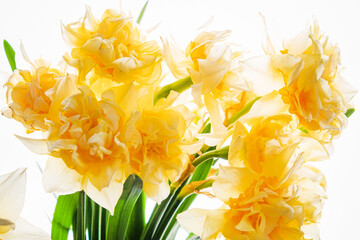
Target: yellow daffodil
[87, 140]
[307, 73]
[314, 88]
[12, 196]
[35, 96]
[158, 147]
[212, 66]
[111, 50]
[282, 205]
[273, 137]
[85, 147]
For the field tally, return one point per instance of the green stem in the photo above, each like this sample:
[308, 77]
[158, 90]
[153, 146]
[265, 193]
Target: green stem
[242, 111]
[220, 153]
[178, 86]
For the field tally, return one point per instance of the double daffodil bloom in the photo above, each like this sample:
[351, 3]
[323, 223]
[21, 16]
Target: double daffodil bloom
[269, 191]
[111, 50]
[35, 96]
[12, 196]
[307, 73]
[276, 205]
[271, 137]
[85, 149]
[159, 147]
[212, 66]
[97, 144]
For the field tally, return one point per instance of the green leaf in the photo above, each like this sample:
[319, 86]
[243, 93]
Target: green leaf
[10, 54]
[137, 219]
[201, 173]
[349, 112]
[142, 12]
[95, 221]
[65, 210]
[193, 237]
[104, 216]
[119, 223]
[89, 211]
[81, 217]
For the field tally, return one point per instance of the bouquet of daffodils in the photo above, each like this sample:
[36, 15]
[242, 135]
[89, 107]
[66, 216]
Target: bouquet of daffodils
[118, 130]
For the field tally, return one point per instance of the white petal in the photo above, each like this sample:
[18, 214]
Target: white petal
[37, 146]
[205, 223]
[260, 73]
[215, 113]
[311, 231]
[24, 230]
[57, 177]
[108, 196]
[175, 59]
[12, 194]
[193, 220]
[269, 105]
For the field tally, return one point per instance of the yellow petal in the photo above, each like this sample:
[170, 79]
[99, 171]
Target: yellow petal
[232, 181]
[108, 196]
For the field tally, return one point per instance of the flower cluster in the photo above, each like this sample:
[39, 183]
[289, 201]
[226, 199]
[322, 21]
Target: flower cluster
[271, 190]
[113, 116]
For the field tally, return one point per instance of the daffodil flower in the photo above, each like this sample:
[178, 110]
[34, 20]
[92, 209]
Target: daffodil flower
[110, 51]
[35, 96]
[306, 72]
[12, 196]
[213, 68]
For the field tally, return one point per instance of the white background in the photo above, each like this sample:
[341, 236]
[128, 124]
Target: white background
[37, 24]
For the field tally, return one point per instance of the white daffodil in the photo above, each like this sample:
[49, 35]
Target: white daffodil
[12, 196]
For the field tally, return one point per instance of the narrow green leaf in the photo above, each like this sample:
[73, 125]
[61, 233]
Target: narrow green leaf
[65, 210]
[207, 128]
[119, 223]
[81, 217]
[94, 227]
[74, 225]
[193, 237]
[104, 216]
[155, 218]
[349, 112]
[201, 173]
[137, 219]
[142, 12]
[89, 216]
[10, 54]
